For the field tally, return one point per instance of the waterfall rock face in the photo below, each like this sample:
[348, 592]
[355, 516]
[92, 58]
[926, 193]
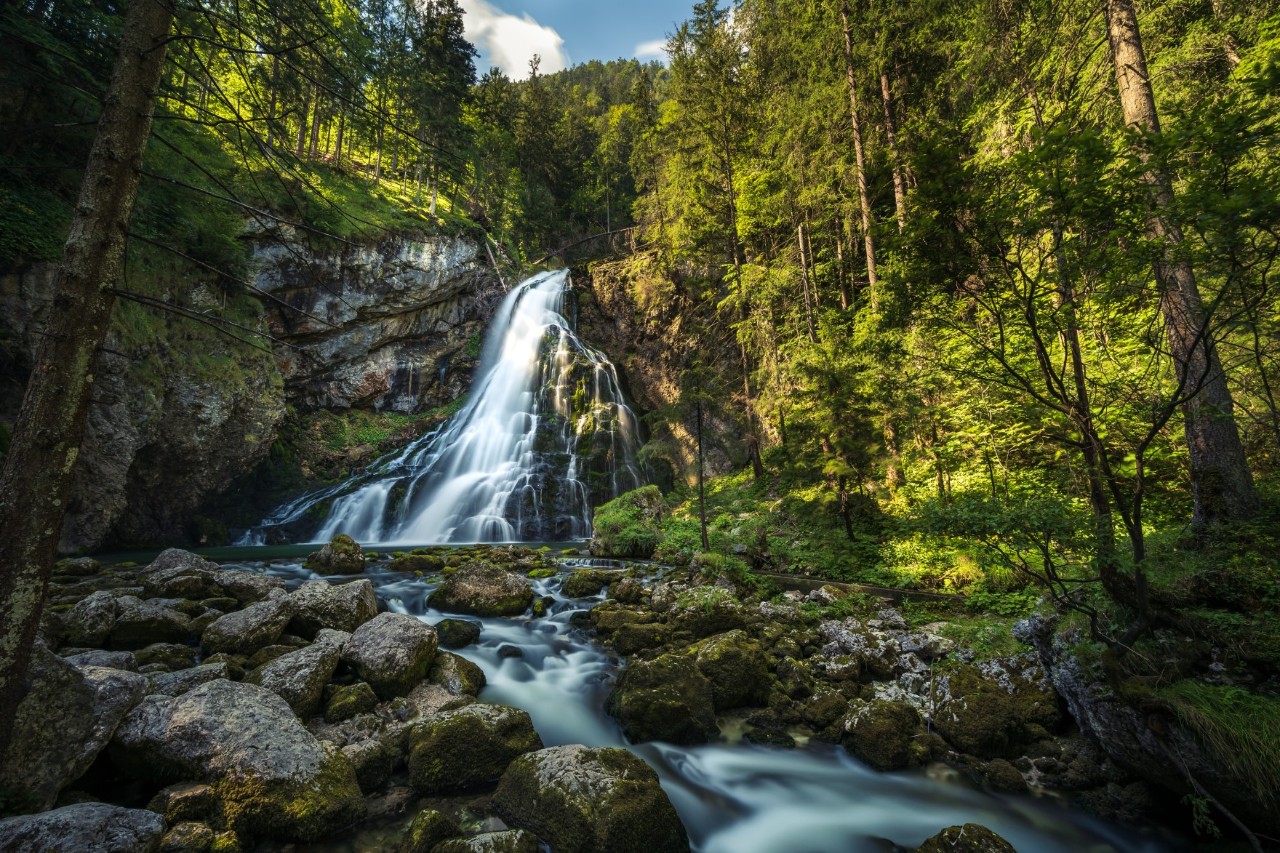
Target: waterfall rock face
[546, 434]
[180, 411]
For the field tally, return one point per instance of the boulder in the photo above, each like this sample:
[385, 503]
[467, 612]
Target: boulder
[342, 607]
[482, 589]
[342, 556]
[884, 735]
[581, 800]
[271, 775]
[99, 657]
[347, 701]
[77, 567]
[516, 841]
[427, 829]
[181, 574]
[456, 675]
[996, 709]
[737, 668]
[373, 761]
[392, 652]
[458, 633]
[665, 699]
[84, 826]
[706, 610]
[188, 801]
[65, 720]
[970, 838]
[187, 837]
[246, 631]
[139, 624]
[184, 680]
[247, 587]
[172, 656]
[460, 749]
[585, 582]
[299, 677]
[89, 623]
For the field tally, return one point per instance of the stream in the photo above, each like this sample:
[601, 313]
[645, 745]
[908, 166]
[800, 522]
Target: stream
[733, 797]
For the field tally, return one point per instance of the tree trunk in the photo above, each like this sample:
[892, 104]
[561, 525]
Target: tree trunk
[891, 134]
[315, 130]
[804, 281]
[337, 147]
[36, 482]
[302, 127]
[864, 196]
[702, 495]
[1220, 476]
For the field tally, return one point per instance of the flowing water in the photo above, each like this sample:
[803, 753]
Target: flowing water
[545, 435]
[732, 798]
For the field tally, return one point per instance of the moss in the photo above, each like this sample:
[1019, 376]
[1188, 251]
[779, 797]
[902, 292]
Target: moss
[630, 525]
[537, 574]
[427, 829]
[291, 810]
[884, 734]
[468, 747]
[585, 582]
[346, 701]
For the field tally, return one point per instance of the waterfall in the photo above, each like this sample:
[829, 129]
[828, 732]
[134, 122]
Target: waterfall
[545, 435]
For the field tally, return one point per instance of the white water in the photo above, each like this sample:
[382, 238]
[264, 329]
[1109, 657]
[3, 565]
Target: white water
[731, 798]
[545, 434]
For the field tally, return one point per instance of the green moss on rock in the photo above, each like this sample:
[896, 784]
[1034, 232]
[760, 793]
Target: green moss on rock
[461, 749]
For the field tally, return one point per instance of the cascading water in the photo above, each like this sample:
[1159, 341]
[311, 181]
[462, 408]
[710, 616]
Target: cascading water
[545, 435]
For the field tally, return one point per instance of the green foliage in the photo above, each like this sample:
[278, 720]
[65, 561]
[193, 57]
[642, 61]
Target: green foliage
[629, 525]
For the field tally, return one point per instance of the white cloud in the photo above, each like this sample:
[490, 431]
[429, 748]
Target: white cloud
[511, 40]
[656, 49]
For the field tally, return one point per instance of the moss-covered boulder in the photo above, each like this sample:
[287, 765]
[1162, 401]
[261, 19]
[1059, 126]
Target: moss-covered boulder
[480, 588]
[421, 564]
[737, 668]
[629, 525]
[706, 610]
[458, 633]
[271, 776]
[188, 836]
[665, 699]
[342, 556]
[473, 745]
[345, 701]
[392, 652]
[581, 800]
[427, 829]
[886, 735]
[995, 710]
[510, 841]
[970, 838]
[585, 582]
[635, 638]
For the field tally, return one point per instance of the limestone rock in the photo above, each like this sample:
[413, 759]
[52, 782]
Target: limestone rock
[482, 589]
[89, 623]
[883, 734]
[586, 582]
[665, 699]
[970, 838]
[516, 841]
[247, 587]
[458, 633]
[341, 556]
[84, 826]
[737, 668]
[581, 800]
[139, 624]
[459, 749]
[344, 607]
[272, 776]
[991, 708]
[246, 631]
[299, 677]
[392, 652]
[99, 657]
[185, 680]
[346, 701]
[181, 574]
[187, 837]
[187, 801]
[173, 656]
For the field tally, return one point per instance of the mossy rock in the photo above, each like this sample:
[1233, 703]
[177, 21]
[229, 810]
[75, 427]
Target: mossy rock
[970, 838]
[427, 829]
[586, 582]
[290, 810]
[346, 701]
[984, 719]
[342, 556]
[413, 562]
[462, 749]
[482, 589]
[510, 841]
[737, 668]
[633, 638]
[706, 610]
[581, 800]
[629, 525]
[458, 633]
[540, 574]
[884, 735]
[665, 699]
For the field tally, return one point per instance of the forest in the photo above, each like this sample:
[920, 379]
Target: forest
[971, 299]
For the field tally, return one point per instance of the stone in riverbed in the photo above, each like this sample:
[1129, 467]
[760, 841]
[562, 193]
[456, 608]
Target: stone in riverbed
[84, 826]
[970, 838]
[884, 734]
[482, 589]
[517, 841]
[180, 574]
[342, 556]
[273, 778]
[139, 624]
[247, 587]
[186, 680]
[586, 582]
[89, 623]
[299, 677]
[392, 652]
[737, 668]
[581, 800]
[342, 607]
[460, 749]
[246, 631]
[665, 699]
[458, 633]
[428, 828]
[346, 701]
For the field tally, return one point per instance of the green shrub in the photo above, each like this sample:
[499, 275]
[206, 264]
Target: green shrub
[629, 525]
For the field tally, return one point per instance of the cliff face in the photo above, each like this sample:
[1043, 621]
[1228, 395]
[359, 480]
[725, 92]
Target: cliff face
[180, 410]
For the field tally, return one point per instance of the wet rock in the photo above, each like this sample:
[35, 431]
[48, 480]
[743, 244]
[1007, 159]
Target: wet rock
[516, 841]
[392, 652]
[139, 624]
[271, 775]
[85, 826]
[246, 631]
[89, 623]
[581, 800]
[736, 666]
[1000, 775]
[627, 590]
[507, 650]
[342, 556]
[990, 708]
[185, 680]
[482, 589]
[458, 633]
[342, 607]
[299, 677]
[99, 657]
[665, 699]
[970, 838]
[181, 574]
[472, 745]
[427, 829]
[586, 582]
[247, 587]
[422, 564]
[456, 675]
[187, 837]
[172, 656]
[346, 701]
[77, 567]
[65, 720]
[635, 638]
[373, 761]
[884, 735]
[770, 737]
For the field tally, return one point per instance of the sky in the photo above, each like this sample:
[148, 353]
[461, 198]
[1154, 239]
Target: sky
[568, 32]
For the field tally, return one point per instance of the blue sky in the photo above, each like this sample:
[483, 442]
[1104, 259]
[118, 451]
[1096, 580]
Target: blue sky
[567, 32]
